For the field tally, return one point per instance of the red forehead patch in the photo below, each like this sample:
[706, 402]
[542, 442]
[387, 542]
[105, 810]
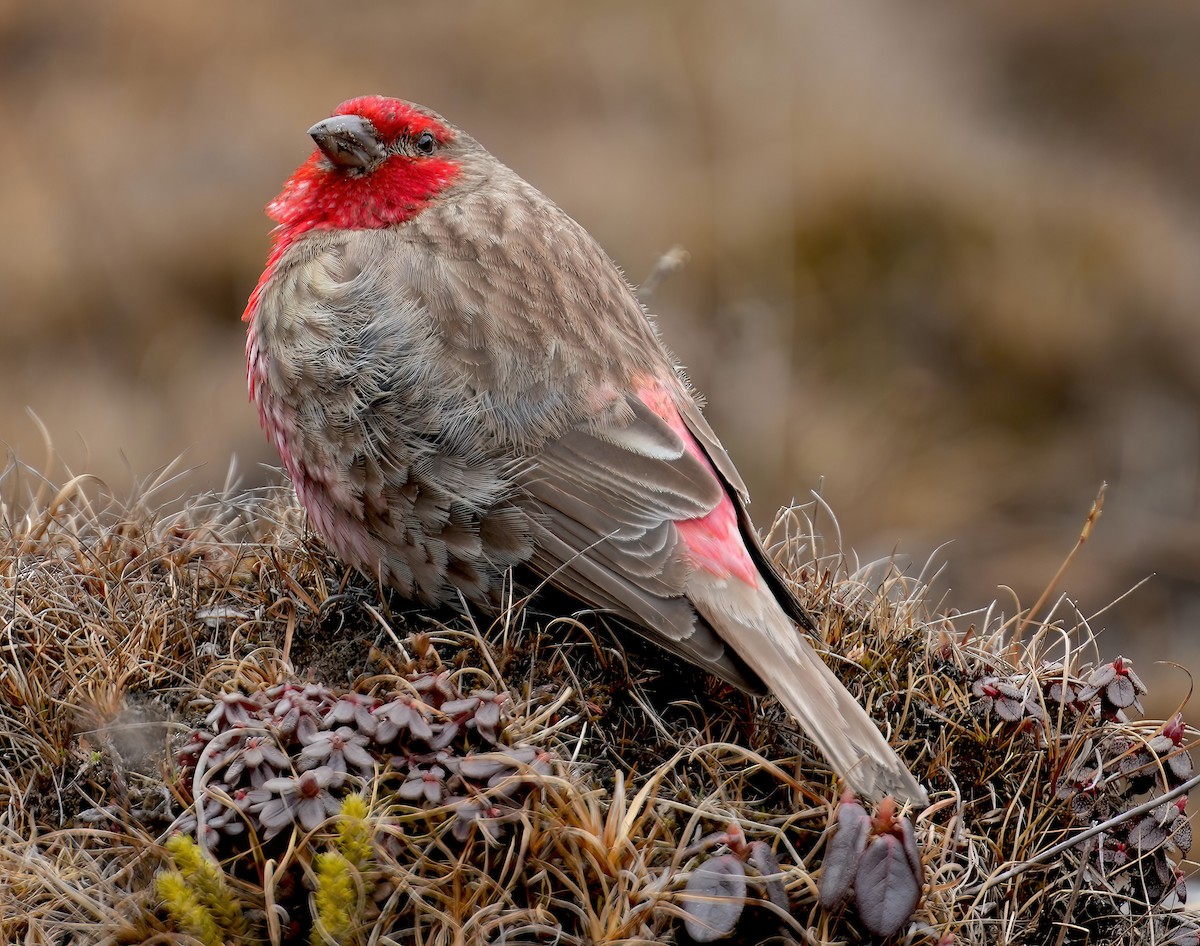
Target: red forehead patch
[394, 118]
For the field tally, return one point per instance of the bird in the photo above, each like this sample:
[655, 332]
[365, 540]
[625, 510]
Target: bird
[460, 381]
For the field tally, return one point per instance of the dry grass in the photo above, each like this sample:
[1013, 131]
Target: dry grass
[123, 619]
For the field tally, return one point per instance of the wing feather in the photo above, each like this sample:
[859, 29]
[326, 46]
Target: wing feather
[608, 500]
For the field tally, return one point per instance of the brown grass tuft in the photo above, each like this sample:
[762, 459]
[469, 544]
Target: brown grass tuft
[125, 619]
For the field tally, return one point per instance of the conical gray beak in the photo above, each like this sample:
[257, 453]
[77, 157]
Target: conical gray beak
[349, 141]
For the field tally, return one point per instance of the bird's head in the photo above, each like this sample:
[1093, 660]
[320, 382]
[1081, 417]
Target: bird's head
[378, 162]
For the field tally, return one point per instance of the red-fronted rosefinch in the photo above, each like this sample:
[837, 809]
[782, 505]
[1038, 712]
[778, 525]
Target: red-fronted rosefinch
[459, 380]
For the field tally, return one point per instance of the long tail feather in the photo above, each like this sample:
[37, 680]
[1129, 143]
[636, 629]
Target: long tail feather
[751, 621]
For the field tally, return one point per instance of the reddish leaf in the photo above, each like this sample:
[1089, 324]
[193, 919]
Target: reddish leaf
[767, 864]
[908, 841]
[484, 765]
[1060, 692]
[1121, 692]
[1009, 710]
[1180, 765]
[1103, 675]
[842, 852]
[1181, 837]
[886, 888]
[716, 894]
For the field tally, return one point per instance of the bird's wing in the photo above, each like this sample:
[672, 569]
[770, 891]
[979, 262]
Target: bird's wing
[613, 508]
[714, 452]
[638, 518]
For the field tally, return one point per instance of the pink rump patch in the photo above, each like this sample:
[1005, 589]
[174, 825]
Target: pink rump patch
[714, 540]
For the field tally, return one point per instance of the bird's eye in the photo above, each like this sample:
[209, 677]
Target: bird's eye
[426, 142]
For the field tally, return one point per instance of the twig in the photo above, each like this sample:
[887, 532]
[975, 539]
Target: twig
[1084, 535]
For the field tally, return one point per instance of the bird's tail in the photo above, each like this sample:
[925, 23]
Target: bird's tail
[750, 620]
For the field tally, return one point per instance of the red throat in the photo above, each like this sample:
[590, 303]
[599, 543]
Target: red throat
[319, 196]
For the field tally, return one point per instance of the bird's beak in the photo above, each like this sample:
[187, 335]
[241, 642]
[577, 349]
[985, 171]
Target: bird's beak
[349, 141]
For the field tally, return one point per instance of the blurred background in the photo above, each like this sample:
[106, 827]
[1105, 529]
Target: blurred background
[944, 255]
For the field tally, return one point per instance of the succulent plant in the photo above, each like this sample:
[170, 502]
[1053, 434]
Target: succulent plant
[287, 755]
[877, 860]
[1009, 700]
[715, 893]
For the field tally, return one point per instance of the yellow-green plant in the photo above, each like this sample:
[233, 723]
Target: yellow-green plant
[342, 878]
[198, 897]
[354, 835]
[186, 909]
